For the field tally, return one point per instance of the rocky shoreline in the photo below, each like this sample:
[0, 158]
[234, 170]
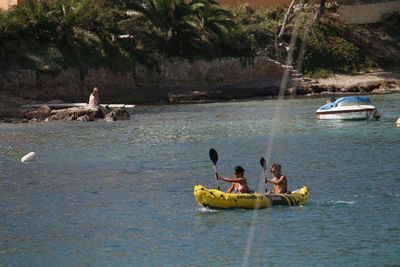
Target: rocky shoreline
[377, 82]
[45, 114]
[337, 85]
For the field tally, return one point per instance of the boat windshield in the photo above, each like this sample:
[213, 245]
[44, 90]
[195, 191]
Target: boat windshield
[353, 100]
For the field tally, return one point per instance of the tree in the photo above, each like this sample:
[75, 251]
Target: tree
[185, 27]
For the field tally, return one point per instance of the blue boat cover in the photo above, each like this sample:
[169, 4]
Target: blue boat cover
[364, 100]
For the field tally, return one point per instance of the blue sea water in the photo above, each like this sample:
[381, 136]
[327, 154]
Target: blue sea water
[121, 193]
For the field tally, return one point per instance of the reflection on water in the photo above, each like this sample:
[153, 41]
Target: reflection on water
[121, 193]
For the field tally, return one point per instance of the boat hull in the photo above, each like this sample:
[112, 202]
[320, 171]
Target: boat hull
[357, 113]
[216, 199]
[348, 108]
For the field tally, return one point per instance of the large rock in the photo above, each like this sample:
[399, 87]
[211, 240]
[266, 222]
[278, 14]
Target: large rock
[44, 113]
[84, 118]
[72, 114]
[117, 114]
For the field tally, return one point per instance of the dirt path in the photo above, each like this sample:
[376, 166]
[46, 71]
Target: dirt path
[375, 82]
[346, 81]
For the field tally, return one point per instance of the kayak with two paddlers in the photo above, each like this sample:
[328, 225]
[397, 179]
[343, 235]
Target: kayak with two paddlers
[217, 199]
[243, 197]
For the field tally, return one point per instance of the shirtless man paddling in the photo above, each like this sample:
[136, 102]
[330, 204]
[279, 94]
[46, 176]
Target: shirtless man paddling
[279, 181]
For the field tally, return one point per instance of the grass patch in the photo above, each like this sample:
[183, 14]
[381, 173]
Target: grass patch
[319, 74]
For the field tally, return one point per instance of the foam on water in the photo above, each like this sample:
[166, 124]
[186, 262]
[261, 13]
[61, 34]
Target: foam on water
[343, 202]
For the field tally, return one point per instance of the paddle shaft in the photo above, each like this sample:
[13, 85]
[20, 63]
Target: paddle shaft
[216, 176]
[263, 164]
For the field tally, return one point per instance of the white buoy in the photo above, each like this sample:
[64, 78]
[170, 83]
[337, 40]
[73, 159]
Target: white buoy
[398, 122]
[28, 157]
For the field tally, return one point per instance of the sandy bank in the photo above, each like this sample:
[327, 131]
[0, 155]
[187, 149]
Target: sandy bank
[351, 80]
[375, 82]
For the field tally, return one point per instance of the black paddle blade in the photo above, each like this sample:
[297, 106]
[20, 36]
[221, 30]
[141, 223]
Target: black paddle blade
[213, 155]
[263, 163]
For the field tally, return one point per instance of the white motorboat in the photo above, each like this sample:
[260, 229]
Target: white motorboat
[348, 108]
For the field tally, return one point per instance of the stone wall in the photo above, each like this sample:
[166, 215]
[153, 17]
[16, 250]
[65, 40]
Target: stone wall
[368, 13]
[262, 76]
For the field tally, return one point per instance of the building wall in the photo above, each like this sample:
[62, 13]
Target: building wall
[368, 13]
[7, 4]
[4, 4]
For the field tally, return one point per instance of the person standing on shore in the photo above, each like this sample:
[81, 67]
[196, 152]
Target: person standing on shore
[279, 181]
[94, 103]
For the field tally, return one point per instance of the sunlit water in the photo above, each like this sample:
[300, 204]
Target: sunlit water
[121, 193]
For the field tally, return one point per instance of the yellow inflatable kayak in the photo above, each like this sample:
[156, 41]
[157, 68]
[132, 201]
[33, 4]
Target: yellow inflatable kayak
[216, 199]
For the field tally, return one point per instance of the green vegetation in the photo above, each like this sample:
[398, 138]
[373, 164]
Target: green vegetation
[391, 24]
[83, 34]
[256, 30]
[51, 35]
[331, 49]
